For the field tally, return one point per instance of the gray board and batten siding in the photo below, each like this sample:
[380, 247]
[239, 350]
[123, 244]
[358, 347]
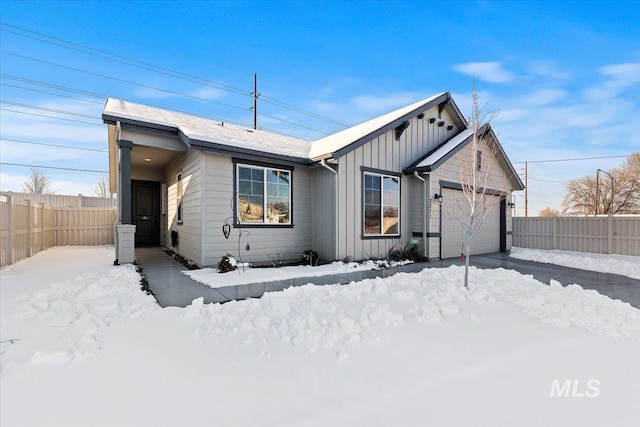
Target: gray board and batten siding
[385, 153]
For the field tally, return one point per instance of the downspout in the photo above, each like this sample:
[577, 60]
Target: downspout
[324, 164]
[425, 217]
[115, 224]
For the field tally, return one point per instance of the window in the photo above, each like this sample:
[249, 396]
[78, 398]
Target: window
[381, 205]
[179, 198]
[263, 195]
[479, 159]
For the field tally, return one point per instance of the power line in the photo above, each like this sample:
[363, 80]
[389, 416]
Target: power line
[50, 110]
[49, 117]
[125, 60]
[52, 167]
[571, 160]
[51, 93]
[52, 145]
[97, 95]
[52, 86]
[165, 71]
[122, 80]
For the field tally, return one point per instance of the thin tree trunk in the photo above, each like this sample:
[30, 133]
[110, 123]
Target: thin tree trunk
[467, 251]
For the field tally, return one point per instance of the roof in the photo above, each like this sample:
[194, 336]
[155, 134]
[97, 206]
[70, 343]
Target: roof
[339, 143]
[206, 133]
[446, 150]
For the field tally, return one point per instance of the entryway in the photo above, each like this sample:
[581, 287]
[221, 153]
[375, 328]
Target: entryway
[145, 212]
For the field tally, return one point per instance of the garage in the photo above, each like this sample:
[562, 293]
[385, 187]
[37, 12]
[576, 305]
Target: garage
[455, 213]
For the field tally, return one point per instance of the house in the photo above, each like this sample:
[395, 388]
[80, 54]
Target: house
[206, 188]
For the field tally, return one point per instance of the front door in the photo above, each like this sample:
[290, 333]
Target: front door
[145, 212]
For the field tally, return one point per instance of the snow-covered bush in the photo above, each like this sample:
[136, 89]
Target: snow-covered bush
[227, 263]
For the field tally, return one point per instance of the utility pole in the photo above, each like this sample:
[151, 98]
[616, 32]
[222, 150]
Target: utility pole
[526, 190]
[255, 101]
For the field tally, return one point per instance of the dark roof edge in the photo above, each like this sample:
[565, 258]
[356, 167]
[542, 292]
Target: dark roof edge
[233, 151]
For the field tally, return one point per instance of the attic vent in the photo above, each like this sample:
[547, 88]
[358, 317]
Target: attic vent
[401, 128]
[249, 130]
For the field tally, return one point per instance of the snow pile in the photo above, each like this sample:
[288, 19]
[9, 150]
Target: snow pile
[341, 317]
[211, 277]
[615, 264]
[405, 350]
[62, 321]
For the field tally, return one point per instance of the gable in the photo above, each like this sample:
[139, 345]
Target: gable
[345, 141]
[445, 151]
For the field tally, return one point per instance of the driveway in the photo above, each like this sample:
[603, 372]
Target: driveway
[173, 288]
[613, 285]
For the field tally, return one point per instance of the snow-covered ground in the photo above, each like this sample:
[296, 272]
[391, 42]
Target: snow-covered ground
[242, 276]
[617, 264]
[408, 350]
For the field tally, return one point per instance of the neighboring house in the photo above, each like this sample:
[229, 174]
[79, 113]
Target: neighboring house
[356, 193]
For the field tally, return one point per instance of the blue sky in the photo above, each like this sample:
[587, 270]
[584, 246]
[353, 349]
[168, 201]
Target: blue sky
[564, 76]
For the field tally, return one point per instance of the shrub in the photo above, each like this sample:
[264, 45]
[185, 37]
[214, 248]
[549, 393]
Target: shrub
[409, 252]
[310, 257]
[227, 263]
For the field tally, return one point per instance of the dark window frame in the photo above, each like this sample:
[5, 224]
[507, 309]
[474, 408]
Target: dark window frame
[237, 163]
[179, 195]
[364, 171]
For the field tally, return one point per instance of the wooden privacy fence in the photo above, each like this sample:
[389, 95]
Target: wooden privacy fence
[612, 234]
[27, 228]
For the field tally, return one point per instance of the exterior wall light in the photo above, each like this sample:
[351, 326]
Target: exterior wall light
[437, 197]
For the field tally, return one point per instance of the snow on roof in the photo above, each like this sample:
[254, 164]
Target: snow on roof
[445, 149]
[332, 143]
[204, 130]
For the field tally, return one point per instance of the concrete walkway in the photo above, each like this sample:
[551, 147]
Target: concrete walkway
[173, 288]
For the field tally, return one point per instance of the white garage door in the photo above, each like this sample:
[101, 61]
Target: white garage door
[455, 211]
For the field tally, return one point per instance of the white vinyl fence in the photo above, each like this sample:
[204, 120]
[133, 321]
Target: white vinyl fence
[612, 234]
[27, 228]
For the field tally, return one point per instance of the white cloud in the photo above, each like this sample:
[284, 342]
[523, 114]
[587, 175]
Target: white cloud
[149, 93]
[542, 97]
[620, 77]
[491, 72]
[208, 92]
[547, 69]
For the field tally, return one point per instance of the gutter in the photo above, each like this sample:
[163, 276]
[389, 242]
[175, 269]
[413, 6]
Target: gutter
[424, 213]
[324, 164]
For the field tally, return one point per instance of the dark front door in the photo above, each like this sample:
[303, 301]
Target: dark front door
[145, 212]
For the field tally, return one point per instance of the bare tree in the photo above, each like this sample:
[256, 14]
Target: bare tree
[474, 177]
[37, 183]
[618, 191]
[549, 212]
[103, 188]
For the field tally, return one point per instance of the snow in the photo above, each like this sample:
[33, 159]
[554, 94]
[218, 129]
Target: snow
[243, 276]
[616, 264]
[411, 350]
[207, 130]
[448, 147]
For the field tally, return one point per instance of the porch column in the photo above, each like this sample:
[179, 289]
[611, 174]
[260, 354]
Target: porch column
[125, 231]
[125, 180]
